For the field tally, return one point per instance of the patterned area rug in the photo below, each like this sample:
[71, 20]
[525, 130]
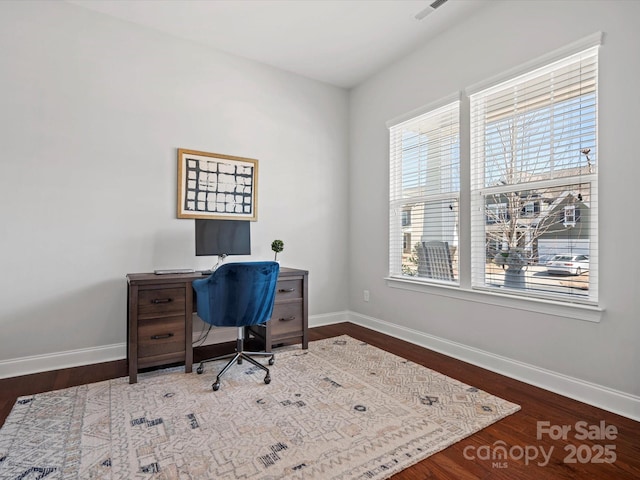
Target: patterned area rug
[340, 410]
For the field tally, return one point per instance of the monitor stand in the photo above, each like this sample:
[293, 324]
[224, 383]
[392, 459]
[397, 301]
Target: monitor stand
[215, 267]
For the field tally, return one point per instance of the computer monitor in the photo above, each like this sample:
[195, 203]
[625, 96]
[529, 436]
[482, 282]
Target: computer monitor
[223, 237]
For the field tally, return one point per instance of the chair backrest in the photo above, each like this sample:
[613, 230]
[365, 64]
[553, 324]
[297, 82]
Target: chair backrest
[434, 260]
[237, 294]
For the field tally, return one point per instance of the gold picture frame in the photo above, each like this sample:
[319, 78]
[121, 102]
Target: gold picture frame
[215, 186]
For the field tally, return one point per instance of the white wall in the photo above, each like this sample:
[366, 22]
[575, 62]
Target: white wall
[92, 110]
[498, 38]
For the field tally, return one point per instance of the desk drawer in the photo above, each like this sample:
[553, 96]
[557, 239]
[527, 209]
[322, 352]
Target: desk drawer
[288, 289]
[286, 319]
[161, 301]
[161, 336]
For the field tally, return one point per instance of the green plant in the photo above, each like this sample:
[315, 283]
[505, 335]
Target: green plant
[277, 246]
[410, 263]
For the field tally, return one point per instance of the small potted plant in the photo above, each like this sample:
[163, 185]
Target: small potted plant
[277, 246]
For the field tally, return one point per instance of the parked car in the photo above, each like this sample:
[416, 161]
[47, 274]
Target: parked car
[544, 259]
[568, 264]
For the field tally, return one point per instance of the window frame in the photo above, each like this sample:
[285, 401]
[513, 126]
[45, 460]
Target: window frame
[424, 198]
[532, 109]
[587, 311]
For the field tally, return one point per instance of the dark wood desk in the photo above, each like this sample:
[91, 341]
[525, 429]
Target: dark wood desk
[159, 323]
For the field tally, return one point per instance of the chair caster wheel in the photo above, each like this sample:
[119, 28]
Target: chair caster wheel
[239, 361]
[199, 370]
[216, 386]
[272, 361]
[267, 379]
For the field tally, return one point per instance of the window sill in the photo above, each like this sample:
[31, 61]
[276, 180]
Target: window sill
[589, 313]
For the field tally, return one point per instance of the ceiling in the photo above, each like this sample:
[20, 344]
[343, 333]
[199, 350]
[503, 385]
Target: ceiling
[340, 42]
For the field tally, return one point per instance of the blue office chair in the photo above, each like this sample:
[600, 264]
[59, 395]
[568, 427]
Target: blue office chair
[238, 295]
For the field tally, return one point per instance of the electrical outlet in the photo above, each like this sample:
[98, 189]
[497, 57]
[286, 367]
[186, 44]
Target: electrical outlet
[366, 295]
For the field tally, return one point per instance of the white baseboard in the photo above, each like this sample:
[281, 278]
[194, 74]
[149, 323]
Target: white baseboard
[329, 318]
[55, 361]
[16, 367]
[599, 396]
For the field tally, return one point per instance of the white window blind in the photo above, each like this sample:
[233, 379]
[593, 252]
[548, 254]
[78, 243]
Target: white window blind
[424, 195]
[534, 182]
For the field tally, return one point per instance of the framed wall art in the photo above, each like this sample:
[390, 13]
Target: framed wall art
[215, 186]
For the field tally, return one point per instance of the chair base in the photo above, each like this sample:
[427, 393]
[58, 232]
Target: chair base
[238, 357]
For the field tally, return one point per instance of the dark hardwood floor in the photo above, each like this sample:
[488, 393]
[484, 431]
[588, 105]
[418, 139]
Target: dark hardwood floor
[466, 459]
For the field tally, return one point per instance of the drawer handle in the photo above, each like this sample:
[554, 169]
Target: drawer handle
[288, 319]
[161, 300]
[160, 337]
[286, 290]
